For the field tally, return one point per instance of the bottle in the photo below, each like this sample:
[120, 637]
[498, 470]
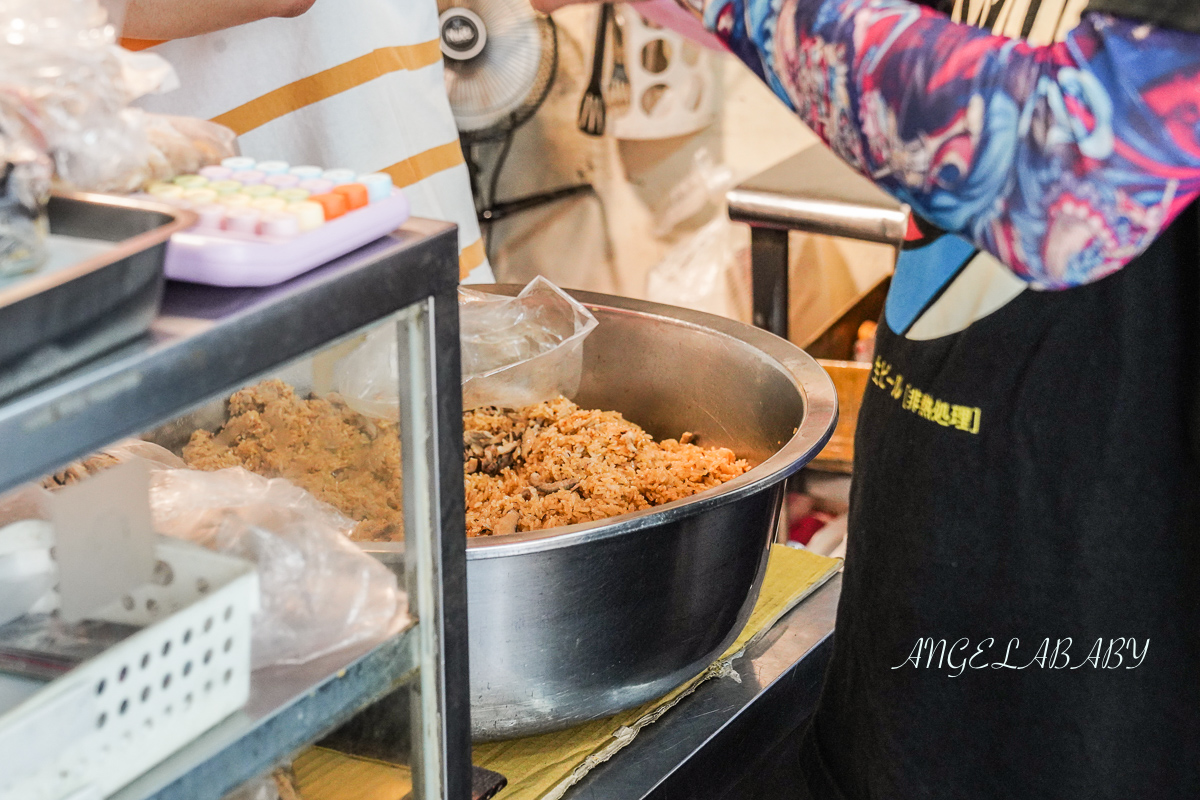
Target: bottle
[864, 347]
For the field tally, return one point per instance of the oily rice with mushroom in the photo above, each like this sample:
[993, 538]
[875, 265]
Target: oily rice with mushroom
[525, 469]
[555, 464]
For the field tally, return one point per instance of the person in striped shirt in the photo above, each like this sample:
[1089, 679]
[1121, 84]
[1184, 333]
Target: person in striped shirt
[355, 84]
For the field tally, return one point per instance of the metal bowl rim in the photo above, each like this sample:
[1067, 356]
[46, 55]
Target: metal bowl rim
[820, 417]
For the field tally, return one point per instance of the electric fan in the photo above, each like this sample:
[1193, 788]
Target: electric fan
[501, 57]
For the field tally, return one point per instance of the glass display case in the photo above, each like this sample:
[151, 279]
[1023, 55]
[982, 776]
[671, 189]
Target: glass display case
[257, 378]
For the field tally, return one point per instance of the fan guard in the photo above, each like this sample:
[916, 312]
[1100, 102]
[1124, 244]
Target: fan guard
[501, 56]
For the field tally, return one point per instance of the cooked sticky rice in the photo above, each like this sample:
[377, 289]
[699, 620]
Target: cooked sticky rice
[555, 464]
[321, 444]
[526, 469]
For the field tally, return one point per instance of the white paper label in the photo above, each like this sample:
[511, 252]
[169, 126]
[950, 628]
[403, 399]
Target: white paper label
[104, 538]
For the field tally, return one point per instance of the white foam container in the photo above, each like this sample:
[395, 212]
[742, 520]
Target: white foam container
[99, 726]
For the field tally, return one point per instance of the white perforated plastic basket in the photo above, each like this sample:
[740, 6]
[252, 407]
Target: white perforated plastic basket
[110, 719]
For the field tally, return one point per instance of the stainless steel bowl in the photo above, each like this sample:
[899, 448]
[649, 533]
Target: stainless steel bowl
[580, 622]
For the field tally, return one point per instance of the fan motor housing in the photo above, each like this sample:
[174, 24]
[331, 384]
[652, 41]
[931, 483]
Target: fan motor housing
[463, 34]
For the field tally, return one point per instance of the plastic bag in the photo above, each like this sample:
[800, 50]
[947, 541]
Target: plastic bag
[179, 145]
[65, 90]
[369, 378]
[703, 270]
[158, 458]
[521, 350]
[27, 573]
[696, 273]
[516, 351]
[319, 593]
[699, 195]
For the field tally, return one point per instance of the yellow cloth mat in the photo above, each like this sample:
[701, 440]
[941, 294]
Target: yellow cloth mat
[323, 774]
[545, 767]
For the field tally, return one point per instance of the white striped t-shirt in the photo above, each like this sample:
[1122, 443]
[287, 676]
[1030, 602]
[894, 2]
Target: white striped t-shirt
[350, 83]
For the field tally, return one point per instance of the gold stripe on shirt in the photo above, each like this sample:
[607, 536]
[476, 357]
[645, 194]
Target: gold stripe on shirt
[421, 166]
[329, 82]
[469, 258]
[426, 163]
[140, 44]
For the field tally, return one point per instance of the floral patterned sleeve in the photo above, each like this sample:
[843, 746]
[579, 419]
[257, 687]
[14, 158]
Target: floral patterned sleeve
[1063, 161]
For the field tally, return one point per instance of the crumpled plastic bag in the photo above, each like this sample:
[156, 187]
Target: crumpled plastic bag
[319, 593]
[65, 90]
[700, 273]
[702, 270]
[179, 145]
[516, 351]
[521, 350]
[368, 379]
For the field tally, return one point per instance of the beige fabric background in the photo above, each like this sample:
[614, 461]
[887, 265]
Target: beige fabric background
[608, 243]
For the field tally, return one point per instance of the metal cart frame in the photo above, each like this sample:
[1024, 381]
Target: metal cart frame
[815, 192]
[208, 341]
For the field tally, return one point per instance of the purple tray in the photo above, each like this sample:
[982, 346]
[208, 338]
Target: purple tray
[221, 258]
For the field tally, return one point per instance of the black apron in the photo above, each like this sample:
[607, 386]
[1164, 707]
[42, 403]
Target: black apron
[1020, 614]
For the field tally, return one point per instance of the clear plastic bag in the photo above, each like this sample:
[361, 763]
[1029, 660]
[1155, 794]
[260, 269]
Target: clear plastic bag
[516, 351]
[521, 350]
[65, 90]
[178, 145]
[368, 379]
[702, 271]
[699, 195]
[319, 592]
[698, 273]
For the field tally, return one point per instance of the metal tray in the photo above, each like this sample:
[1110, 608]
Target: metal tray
[102, 287]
